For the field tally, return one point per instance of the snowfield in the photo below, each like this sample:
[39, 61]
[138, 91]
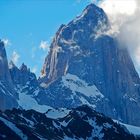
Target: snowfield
[132, 129]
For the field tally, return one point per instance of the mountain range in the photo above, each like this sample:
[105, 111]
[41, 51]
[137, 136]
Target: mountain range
[86, 70]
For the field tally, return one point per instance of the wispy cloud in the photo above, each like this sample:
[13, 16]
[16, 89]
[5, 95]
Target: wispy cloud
[44, 45]
[125, 20]
[34, 69]
[15, 57]
[6, 42]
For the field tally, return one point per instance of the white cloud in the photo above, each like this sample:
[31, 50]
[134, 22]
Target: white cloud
[119, 12]
[15, 57]
[6, 42]
[34, 69]
[44, 45]
[115, 7]
[124, 17]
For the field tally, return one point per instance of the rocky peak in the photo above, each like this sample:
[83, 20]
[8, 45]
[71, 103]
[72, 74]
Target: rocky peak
[4, 71]
[23, 68]
[7, 93]
[22, 75]
[71, 40]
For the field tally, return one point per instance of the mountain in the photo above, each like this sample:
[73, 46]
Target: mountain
[74, 40]
[85, 65]
[80, 123]
[8, 94]
[86, 70]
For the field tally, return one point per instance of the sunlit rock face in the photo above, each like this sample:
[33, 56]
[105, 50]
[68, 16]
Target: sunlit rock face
[7, 93]
[83, 49]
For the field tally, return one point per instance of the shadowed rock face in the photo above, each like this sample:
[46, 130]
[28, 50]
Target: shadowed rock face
[80, 123]
[80, 48]
[7, 93]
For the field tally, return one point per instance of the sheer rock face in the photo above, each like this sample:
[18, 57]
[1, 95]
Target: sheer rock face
[82, 48]
[4, 71]
[7, 93]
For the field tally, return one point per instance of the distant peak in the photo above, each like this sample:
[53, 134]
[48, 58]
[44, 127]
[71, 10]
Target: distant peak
[23, 67]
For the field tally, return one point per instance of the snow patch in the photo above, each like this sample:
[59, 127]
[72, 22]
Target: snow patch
[27, 102]
[84, 101]
[75, 84]
[57, 113]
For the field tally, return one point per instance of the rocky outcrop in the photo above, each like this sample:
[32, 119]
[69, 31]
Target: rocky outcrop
[27, 87]
[82, 48]
[23, 79]
[22, 76]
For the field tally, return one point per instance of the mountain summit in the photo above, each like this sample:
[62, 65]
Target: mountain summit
[86, 66]
[72, 39]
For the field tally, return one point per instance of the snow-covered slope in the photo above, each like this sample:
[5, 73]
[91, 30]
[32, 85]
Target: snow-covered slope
[75, 84]
[27, 101]
[130, 128]
[133, 129]
[71, 91]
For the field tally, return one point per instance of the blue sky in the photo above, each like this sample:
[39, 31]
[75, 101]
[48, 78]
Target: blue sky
[28, 23]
